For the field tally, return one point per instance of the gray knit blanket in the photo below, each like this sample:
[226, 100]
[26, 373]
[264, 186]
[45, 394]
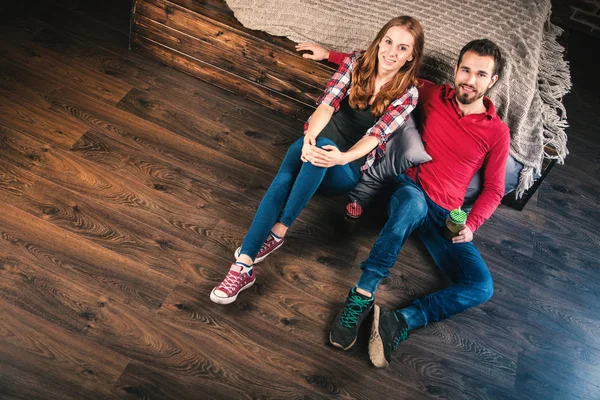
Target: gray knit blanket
[528, 96]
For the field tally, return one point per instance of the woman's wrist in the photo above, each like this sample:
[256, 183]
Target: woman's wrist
[344, 158]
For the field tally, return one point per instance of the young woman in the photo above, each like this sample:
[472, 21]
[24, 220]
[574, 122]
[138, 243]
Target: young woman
[368, 98]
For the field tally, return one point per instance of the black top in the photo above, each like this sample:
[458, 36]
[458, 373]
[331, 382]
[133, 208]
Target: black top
[348, 126]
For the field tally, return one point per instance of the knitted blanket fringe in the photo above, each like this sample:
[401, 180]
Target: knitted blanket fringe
[554, 81]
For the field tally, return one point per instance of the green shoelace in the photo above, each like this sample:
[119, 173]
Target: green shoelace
[355, 307]
[401, 338]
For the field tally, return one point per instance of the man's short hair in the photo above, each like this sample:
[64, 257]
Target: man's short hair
[485, 47]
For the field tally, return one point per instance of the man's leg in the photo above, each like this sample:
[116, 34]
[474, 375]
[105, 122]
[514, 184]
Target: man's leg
[472, 282]
[407, 211]
[471, 285]
[408, 208]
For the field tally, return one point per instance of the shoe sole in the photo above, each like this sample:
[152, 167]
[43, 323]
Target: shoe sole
[236, 253]
[228, 300]
[376, 352]
[339, 346]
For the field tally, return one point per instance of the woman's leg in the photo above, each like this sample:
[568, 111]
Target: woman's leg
[339, 180]
[273, 201]
[308, 181]
[241, 274]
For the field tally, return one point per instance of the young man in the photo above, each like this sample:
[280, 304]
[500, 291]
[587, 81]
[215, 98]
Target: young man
[462, 133]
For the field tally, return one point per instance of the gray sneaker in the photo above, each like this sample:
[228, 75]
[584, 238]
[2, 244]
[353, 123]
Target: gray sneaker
[387, 332]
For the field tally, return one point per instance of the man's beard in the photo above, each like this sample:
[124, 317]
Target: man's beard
[465, 99]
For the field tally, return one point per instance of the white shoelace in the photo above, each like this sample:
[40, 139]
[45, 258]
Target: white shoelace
[231, 282]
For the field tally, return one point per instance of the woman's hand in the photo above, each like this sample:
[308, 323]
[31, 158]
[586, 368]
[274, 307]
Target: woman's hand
[327, 156]
[318, 52]
[310, 142]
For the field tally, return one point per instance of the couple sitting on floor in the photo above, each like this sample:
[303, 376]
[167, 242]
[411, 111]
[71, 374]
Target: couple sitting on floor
[370, 97]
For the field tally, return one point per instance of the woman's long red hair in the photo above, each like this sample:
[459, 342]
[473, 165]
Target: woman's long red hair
[363, 76]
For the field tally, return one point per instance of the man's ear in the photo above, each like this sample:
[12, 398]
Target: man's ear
[493, 81]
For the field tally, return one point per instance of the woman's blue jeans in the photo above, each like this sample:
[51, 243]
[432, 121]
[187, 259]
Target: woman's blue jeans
[412, 210]
[295, 184]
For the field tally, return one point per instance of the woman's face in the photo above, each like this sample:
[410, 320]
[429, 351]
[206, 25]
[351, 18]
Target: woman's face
[395, 49]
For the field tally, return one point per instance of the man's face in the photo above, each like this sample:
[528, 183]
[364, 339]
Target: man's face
[473, 77]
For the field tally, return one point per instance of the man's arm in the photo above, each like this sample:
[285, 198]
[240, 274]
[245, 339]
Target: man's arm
[494, 173]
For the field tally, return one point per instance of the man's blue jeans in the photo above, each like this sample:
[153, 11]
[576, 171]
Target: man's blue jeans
[412, 210]
[295, 184]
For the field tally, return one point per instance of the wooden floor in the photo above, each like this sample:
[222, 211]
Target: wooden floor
[125, 186]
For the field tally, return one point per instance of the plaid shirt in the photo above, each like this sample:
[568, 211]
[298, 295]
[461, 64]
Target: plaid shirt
[393, 117]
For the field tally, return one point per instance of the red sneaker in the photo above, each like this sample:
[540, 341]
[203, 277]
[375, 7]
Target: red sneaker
[236, 280]
[269, 245]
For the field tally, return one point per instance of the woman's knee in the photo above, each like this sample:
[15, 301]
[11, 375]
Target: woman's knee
[296, 147]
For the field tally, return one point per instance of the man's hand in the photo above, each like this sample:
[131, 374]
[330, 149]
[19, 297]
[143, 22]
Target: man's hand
[318, 52]
[464, 236]
[327, 156]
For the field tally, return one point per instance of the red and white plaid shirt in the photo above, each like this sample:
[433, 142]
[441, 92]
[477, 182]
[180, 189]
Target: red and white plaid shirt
[393, 117]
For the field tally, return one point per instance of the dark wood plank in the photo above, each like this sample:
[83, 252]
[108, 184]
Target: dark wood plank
[169, 84]
[221, 78]
[75, 305]
[137, 201]
[231, 40]
[556, 377]
[59, 130]
[80, 259]
[185, 153]
[219, 11]
[321, 371]
[14, 182]
[86, 27]
[104, 226]
[30, 87]
[125, 121]
[231, 62]
[511, 228]
[62, 31]
[188, 186]
[138, 381]
[43, 361]
[75, 74]
[135, 333]
[246, 146]
[139, 71]
[112, 13]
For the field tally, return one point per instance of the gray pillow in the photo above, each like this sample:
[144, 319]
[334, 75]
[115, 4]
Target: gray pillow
[405, 147]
